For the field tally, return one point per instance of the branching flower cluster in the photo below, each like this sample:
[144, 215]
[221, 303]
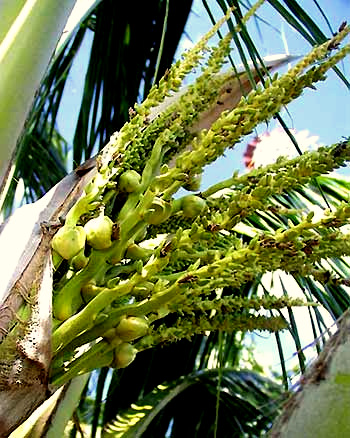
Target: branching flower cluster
[131, 258]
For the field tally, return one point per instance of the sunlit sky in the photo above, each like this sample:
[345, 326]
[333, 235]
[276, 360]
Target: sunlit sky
[324, 113]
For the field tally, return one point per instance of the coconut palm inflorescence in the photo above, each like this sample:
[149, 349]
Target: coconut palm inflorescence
[138, 264]
[147, 253]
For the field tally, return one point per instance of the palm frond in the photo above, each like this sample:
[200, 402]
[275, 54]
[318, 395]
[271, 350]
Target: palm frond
[188, 406]
[131, 47]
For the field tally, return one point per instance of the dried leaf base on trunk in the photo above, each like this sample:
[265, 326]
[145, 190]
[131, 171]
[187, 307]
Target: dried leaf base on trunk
[26, 301]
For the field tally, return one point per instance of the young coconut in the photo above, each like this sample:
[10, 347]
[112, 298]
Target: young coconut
[124, 354]
[129, 181]
[111, 337]
[80, 260]
[193, 206]
[131, 328]
[69, 241]
[99, 232]
[142, 290]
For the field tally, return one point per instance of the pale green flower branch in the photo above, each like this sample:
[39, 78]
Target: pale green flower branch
[174, 124]
[110, 287]
[136, 137]
[260, 105]
[286, 173]
[132, 133]
[295, 250]
[186, 328]
[232, 304]
[242, 195]
[252, 191]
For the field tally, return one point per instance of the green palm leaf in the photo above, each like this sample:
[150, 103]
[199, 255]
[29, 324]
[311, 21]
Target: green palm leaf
[112, 87]
[246, 407]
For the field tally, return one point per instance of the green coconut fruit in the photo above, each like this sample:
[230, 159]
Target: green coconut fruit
[80, 260]
[99, 232]
[129, 181]
[69, 241]
[131, 328]
[124, 354]
[89, 290]
[142, 290]
[111, 337]
[193, 206]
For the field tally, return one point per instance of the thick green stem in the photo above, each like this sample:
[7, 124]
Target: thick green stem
[34, 23]
[98, 356]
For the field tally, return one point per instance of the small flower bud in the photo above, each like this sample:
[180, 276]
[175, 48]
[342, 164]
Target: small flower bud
[192, 206]
[136, 252]
[80, 260]
[193, 183]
